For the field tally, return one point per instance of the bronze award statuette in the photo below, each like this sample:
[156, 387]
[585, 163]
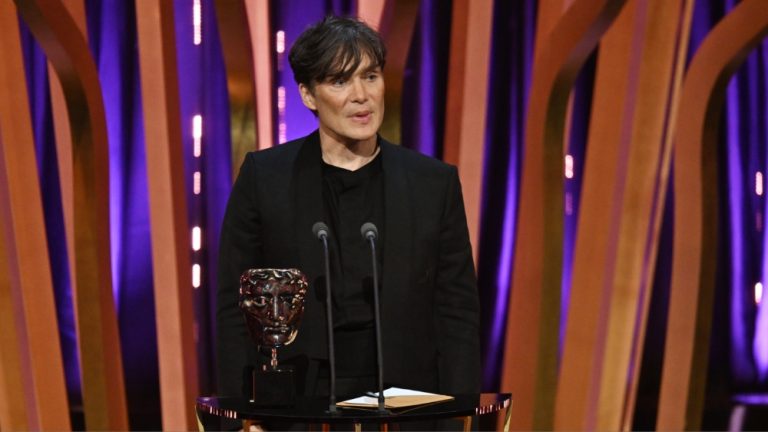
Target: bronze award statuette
[272, 302]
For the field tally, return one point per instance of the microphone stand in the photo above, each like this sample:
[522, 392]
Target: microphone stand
[369, 233]
[321, 231]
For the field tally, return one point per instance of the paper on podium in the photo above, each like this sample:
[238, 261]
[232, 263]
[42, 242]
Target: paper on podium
[395, 398]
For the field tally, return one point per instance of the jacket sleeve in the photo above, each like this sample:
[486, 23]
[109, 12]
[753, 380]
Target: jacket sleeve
[239, 250]
[457, 303]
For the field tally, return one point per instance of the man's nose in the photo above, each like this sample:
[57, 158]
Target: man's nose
[359, 93]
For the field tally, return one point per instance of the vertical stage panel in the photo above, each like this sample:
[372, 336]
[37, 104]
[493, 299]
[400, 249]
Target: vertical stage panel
[98, 340]
[531, 346]
[64, 143]
[168, 214]
[466, 102]
[596, 232]
[686, 352]
[32, 369]
[15, 412]
[261, 38]
[625, 178]
[371, 11]
[236, 46]
[396, 27]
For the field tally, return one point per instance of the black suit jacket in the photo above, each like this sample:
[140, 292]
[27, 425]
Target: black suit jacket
[429, 302]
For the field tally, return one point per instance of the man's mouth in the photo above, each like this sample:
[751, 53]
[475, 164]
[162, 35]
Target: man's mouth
[362, 116]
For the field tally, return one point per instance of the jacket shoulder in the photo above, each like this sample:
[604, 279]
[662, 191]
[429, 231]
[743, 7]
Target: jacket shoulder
[418, 163]
[279, 154]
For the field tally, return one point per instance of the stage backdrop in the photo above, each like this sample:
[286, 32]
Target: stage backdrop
[612, 156]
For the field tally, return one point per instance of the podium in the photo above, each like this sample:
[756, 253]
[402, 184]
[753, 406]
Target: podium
[314, 410]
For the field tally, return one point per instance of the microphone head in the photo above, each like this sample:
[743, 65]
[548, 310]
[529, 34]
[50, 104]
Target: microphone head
[368, 230]
[320, 230]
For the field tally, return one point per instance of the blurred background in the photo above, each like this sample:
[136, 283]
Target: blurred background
[612, 156]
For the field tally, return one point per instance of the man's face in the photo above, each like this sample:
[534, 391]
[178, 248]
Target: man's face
[272, 301]
[351, 109]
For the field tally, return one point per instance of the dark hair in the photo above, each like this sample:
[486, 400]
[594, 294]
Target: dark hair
[334, 48]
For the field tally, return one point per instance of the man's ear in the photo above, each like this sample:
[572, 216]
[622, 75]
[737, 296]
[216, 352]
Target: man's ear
[307, 97]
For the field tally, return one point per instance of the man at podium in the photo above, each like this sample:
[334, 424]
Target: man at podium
[345, 174]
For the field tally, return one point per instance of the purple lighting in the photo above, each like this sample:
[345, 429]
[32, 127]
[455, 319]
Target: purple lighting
[736, 208]
[509, 83]
[760, 343]
[297, 121]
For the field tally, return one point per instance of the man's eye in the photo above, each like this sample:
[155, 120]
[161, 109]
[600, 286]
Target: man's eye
[372, 77]
[338, 82]
[260, 301]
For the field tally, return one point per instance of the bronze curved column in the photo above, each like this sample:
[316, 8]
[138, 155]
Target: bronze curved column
[99, 342]
[686, 351]
[531, 347]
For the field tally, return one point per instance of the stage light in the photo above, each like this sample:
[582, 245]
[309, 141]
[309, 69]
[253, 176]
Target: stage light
[281, 100]
[197, 134]
[282, 127]
[196, 276]
[758, 293]
[196, 238]
[197, 22]
[282, 132]
[759, 183]
[280, 42]
[196, 182]
[568, 166]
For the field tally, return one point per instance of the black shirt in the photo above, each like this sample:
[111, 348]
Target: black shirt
[350, 199]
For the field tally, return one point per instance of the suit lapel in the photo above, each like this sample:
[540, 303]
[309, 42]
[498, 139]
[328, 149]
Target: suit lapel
[397, 228]
[307, 208]
[308, 204]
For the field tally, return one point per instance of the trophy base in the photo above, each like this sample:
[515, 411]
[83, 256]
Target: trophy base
[273, 387]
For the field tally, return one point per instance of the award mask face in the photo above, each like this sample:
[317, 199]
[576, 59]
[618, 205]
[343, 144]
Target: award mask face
[272, 301]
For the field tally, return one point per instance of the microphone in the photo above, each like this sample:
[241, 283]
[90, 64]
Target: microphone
[320, 230]
[369, 231]
[370, 234]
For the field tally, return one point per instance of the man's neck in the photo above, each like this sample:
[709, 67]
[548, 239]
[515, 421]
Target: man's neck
[349, 155]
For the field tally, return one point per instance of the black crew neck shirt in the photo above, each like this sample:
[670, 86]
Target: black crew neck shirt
[352, 198]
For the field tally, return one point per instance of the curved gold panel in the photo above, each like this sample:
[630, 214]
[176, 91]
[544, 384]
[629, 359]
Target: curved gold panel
[397, 23]
[622, 196]
[32, 390]
[466, 102]
[371, 11]
[695, 238]
[172, 275]
[530, 358]
[99, 343]
[64, 139]
[232, 19]
[260, 33]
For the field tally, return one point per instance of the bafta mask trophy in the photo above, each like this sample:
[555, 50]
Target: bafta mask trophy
[272, 302]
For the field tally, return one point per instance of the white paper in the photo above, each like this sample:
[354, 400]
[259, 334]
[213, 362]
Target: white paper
[390, 392]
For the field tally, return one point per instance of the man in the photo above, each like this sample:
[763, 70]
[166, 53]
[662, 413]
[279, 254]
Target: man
[344, 174]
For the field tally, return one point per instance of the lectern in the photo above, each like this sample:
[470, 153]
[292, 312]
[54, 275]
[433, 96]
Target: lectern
[314, 410]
